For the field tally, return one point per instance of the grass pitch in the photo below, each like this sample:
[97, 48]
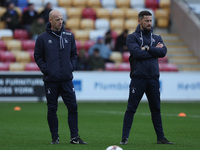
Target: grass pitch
[100, 124]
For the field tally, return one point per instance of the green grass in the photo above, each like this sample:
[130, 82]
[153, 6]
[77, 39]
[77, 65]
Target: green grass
[100, 124]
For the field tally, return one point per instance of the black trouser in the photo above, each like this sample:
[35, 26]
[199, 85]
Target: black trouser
[66, 90]
[137, 88]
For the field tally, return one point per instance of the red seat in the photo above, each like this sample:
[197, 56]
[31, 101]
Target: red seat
[163, 60]
[89, 13]
[152, 4]
[4, 66]
[31, 52]
[168, 67]
[2, 45]
[79, 46]
[88, 44]
[28, 45]
[21, 34]
[124, 67]
[110, 67]
[7, 56]
[31, 67]
[126, 56]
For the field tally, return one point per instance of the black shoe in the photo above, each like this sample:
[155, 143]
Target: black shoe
[77, 140]
[124, 141]
[164, 141]
[55, 140]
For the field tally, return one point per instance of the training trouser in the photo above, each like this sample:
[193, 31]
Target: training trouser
[137, 88]
[66, 90]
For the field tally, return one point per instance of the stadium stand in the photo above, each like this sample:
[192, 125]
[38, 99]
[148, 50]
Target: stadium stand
[89, 13]
[4, 66]
[21, 34]
[137, 3]
[32, 66]
[16, 66]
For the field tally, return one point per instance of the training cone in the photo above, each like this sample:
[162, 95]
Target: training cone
[17, 108]
[182, 115]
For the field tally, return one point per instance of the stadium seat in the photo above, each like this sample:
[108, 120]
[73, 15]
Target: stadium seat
[103, 13]
[87, 24]
[163, 60]
[73, 24]
[7, 57]
[93, 3]
[74, 12]
[16, 66]
[65, 3]
[162, 22]
[21, 34]
[31, 67]
[2, 25]
[137, 3]
[123, 3]
[4, 66]
[13, 45]
[94, 34]
[131, 14]
[31, 53]
[126, 56]
[79, 3]
[108, 3]
[131, 24]
[118, 13]
[102, 24]
[164, 3]
[117, 25]
[168, 67]
[6, 34]
[2, 11]
[116, 57]
[81, 35]
[23, 57]
[79, 46]
[110, 67]
[28, 44]
[152, 4]
[89, 13]
[3, 45]
[123, 67]
[114, 35]
[88, 44]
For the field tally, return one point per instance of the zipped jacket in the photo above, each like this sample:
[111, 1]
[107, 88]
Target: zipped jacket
[55, 54]
[144, 64]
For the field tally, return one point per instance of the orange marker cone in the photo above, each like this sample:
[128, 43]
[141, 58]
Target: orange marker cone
[182, 115]
[17, 108]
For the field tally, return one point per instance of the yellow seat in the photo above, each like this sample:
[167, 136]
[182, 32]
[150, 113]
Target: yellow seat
[79, 3]
[87, 24]
[116, 57]
[2, 11]
[23, 57]
[2, 25]
[18, 11]
[131, 24]
[123, 3]
[117, 24]
[65, 3]
[161, 13]
[74, 12]
[131, 14]
[93, 3]
[73, 24]
[81, 35]
[118, 13]
[162, 22]
[164, 3]
[16, 67]
[14, 45]
[103, 13]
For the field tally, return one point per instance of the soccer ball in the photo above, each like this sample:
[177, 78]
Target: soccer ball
[114, 147]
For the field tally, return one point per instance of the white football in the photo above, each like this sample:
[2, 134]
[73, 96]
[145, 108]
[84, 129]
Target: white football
[114, 147]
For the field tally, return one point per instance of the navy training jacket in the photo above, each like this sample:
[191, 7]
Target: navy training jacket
[56, 54]
[144, 64]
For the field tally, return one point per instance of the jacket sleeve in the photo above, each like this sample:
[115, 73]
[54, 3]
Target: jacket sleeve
[39, 55]
[73, 55]
[158, 52]
[135, 50]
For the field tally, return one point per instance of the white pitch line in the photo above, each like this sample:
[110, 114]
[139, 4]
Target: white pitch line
[144, 114]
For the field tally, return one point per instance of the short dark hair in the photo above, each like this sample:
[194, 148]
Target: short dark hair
[144, 13]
